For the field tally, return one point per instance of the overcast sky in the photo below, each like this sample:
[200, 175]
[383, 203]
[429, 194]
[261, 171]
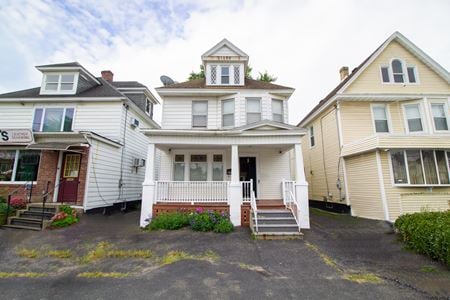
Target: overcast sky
[303, 43]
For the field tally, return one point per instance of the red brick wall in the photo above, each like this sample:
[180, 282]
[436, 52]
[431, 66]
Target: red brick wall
[47, 172]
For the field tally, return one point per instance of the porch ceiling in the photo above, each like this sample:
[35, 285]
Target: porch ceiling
[242, 148]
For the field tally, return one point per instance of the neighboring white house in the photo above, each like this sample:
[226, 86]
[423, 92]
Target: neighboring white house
[78, 134]
[225, 141]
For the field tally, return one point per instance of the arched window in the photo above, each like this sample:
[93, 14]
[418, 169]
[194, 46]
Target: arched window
[397, 70]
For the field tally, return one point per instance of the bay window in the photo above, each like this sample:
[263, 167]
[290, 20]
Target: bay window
[380, 118]
[439, 116]
[53, 119]
[253, 110]
[414, 117]
[277, 110]
[228, 112]
[19, 165]
[420, 167]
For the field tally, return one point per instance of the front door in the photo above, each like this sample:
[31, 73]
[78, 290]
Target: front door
[247, 167]
[68, 184]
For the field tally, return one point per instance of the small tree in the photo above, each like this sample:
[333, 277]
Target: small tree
[248, 72]
[200, 75]
[266, 77]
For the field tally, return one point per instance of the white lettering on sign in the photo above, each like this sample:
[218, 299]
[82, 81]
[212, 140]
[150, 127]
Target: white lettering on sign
[15, 136]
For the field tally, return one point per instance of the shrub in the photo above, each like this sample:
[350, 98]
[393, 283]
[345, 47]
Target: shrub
[170, 221]
[427, 233]
[18, 203]
[2, 199]
[65, 217]
[223, 226]
[201, 222]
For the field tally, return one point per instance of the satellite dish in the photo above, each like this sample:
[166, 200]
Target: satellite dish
[166, 80]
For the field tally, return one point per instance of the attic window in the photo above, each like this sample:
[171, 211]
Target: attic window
[225, 74]
[237, 73]
[59, 83]
[398, 72]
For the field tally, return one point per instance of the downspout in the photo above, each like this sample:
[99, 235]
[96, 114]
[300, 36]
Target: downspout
[121, 158]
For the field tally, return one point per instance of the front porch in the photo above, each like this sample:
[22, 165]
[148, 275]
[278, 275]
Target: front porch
[233, 172]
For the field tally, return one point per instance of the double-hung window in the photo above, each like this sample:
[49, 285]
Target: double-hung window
[199, 113]
[19, 165]
[53, 119]
[380, 118]
[225, 74]
[217, 167]
[397, 71]
[253, 109]
[277, 110]
[312, 141]
[439, 116]
[414, 117]
[421, 167]
[178, 167]
[59, 83]
[228, 112]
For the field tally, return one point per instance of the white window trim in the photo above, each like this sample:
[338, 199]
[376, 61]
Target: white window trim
[209, 160]
[309, 137]
[422, 117]
[16, 163]
[230, 67]
[58, 91]
[192, 113]
[44, 108]
[405, 73]
[234, 112]
[391, 169]
[388, 116]
[282, 109]
[446, 111]
[246, 108]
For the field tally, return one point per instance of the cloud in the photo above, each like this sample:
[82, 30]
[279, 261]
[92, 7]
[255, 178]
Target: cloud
[303, 43]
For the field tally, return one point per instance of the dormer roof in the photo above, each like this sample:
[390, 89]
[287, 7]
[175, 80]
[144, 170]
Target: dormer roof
[70, 66]
[225, 49]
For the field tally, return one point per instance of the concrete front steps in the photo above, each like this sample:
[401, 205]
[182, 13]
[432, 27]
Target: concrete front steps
[275, 223]
[31, 217]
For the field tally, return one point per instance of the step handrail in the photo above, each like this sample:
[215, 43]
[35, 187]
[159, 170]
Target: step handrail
[253, 205]
[289, 206]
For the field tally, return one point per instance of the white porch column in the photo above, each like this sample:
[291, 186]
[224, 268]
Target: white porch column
[301, 188]
[148, 187]
[235, 196]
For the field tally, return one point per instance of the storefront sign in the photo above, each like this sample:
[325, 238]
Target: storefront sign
[16, 136]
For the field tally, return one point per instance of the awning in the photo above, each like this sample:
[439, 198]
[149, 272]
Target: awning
[53, 146]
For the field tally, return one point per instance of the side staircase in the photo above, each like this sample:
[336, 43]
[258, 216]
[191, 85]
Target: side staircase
[34, 217]
[274, 220]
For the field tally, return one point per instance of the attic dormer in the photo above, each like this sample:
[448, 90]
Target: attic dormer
[225, 65]
[65, 79]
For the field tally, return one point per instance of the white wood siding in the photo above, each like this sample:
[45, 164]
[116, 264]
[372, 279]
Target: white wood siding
[177, 111]
[99, 117]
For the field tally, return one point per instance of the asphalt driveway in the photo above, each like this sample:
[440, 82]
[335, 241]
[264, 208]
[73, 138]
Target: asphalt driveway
[109, 257]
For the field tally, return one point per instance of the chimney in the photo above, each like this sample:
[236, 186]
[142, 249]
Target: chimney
[107, 75]
[342, 71]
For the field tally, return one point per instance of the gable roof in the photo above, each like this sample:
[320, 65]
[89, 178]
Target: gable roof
[228, 44]
[397, 36]
[127, 84]
[249, 84]
[266, 123]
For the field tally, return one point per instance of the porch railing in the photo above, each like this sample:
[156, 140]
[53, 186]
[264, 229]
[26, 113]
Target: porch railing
[289, 199]
[192, 191]
[247, 187]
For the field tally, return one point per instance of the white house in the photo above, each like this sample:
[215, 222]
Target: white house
[225, 144]
[76, 136]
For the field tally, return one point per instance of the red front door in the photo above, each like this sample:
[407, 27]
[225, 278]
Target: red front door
[68, 184]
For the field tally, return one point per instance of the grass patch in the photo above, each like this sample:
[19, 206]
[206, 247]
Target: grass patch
[428, 269]
[21, 275]
[28, 253]
[363, 278]
[63, 254]
[325, 258]
[102, 275]
[175, 256]
[105, 250]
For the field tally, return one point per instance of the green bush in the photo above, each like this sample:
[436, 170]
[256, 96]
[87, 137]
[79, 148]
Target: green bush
[427, 233]
[66, 209]
[202, 222]
[2, 199]
[4, 208]
[170, 221]
[67, 221]
[223, 226]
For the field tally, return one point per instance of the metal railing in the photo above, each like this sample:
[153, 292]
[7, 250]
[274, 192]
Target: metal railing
[192, 191]
[28, 186]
